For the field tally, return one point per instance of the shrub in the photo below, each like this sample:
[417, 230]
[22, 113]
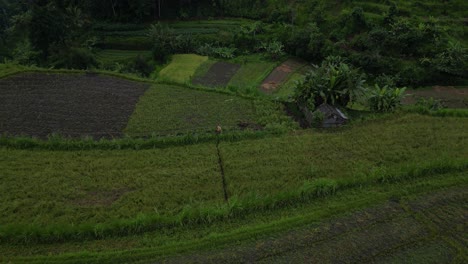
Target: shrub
[205, 49]
[139, 66]
[453, 60]
[386, 80]
[219, 52]
[317, 118]
[275, 49]
[25, 54]
[413, 75]
[385, 99]
[427, 106]
[224, 52]
[334, 82]
[74, 58]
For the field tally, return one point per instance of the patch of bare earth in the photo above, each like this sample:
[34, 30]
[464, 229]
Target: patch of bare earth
[218, 75]
[449, 96]
[380, 234]
[280, 74]
[72, 105]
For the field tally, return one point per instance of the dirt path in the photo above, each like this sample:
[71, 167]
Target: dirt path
[280, 74]
[450, 96]
[425, 230]
[72, 105]
[219, 75]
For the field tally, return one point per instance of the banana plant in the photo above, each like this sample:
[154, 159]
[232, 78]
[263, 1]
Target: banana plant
[385, 99]
[334, 82]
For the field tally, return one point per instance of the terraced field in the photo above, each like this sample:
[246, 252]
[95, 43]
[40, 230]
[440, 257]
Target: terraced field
[218, 75]
[281, 74]
[70, 105]
[389, 228]
[80, 105]
[130, 204]
[113, 56]
[182, 68]
[449, 96]
[395, 232]
[173, 110]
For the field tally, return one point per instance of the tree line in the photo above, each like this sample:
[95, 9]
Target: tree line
[411, 50]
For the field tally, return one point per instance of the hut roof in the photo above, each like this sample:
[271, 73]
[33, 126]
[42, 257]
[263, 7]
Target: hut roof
[329, 110]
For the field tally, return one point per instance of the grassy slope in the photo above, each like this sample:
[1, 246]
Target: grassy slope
[155, 180]
[167, 180]
[170, 110]
[182, 68]
[285, 163]
[152, 246]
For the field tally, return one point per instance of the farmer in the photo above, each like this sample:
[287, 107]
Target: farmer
[219, 130]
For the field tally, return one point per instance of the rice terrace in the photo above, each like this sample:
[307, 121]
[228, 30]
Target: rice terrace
[210, 131]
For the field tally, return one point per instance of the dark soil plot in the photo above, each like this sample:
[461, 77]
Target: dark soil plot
[219, 75]
[70, 105]
[280, 74]
[449, 96]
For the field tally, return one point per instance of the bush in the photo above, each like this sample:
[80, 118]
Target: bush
[317, 118]
[453, 60]
[423, 105]
[218, 52]
[139, 66]
[334, 82]
[224, 52]
[274, 49]
[306, 42]
[25, 54]
[386, 80]
[413, 75]
[74, 58]
[385, 99]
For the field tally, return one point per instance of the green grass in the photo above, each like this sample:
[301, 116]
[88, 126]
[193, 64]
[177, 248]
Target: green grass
[10, 69]
[154, 245]
[286, 162]
[165, 109]
[251, 74]
[48, 187]
[287, 88]
[182, 68]
[89, 182]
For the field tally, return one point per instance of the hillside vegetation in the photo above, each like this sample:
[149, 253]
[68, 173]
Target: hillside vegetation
[195, 131]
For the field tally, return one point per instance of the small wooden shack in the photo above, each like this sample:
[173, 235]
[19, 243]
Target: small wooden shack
[332, 116]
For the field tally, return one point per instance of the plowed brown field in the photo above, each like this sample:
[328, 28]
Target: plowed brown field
[72, 105]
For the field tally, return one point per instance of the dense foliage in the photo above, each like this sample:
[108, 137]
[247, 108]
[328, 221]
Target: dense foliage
[417, 42]
[334, 82]
[385, 99]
